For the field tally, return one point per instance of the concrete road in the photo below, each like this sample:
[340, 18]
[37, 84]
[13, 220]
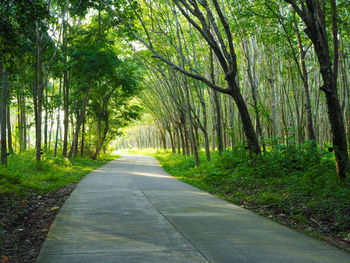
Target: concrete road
[131, 210]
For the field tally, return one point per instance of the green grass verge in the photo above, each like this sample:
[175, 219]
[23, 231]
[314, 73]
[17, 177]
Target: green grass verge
[23, 175]
[293, 184]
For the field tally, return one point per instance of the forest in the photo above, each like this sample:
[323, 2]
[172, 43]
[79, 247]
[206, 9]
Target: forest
[249, 100]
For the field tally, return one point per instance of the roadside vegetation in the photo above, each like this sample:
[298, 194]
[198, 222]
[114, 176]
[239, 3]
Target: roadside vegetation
[31, 195]
[294, 185]
[24, 176]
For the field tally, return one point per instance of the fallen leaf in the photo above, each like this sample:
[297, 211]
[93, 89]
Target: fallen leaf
[24, 203]
[54, 208]
[5, 258]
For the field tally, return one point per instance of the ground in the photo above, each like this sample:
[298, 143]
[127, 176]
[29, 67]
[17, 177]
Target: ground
[25, 222]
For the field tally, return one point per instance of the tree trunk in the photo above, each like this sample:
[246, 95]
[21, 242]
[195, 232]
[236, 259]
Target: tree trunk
[254, 88]
[19, 123]
[50, 135]
[272, 80]
[65, 87]
[38, 97]
[3, 115]
[79, 123]
[304, 77]
[252, 139]
[82, 139]
[182, 140]
[58, 119]
[163, 139]
[9, 132]
[24, 122]
[218, 121]
[177, 132]
[316, 31]
[171, 140]
[46, 117]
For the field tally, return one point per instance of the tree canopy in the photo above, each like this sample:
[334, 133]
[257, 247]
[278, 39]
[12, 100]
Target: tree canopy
[212, 74]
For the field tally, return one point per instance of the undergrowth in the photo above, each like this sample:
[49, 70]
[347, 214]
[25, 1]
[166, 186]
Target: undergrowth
[23, 175]
[296, 185]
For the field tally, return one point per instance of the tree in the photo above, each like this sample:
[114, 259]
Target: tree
[208, 28]
[313, 13]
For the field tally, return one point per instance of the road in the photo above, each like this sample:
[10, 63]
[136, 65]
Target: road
[131, 210]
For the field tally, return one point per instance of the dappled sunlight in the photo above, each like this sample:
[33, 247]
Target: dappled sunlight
[150, 162]
[71, 230]
[150, 174]
[99, 171]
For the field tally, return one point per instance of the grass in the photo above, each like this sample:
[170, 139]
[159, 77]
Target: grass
[24, 176]
[295, 185]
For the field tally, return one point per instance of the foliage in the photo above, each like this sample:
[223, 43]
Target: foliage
[295, 181]
[24, 176]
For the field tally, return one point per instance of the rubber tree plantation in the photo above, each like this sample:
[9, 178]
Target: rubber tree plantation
[249, 100]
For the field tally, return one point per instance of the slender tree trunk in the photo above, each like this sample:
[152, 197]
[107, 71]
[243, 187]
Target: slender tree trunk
[304, 77]
[213, 122]
[23, 122]
[177, 131]
[82, 139]
[272, 80]
[217, 106]
[19, 123]
[163, 139]
[38, 97]
[46, 116]
[79, 123]
[58, 118]
[9, 132]
[65, 86]
[254, 88]
[205, 127]
[182, 140]
[232, 122]
[105, 132]
[3, 115]
[171, 140]
[188, 105]
[218, 122]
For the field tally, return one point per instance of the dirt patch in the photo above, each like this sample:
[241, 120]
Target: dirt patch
[25, 222]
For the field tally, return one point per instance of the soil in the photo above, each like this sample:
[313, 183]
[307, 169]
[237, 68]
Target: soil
[25, 222]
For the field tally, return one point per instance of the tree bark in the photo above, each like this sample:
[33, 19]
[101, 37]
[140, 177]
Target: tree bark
[79, 122]
[9, 132]
[38, 96]
[46, 116]
[65, 85]
[105, 132]
[24, 122]
[82, 144]
[171, 135]
[304, 76]
[314, 19]
[58, 119]
[3, 115]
